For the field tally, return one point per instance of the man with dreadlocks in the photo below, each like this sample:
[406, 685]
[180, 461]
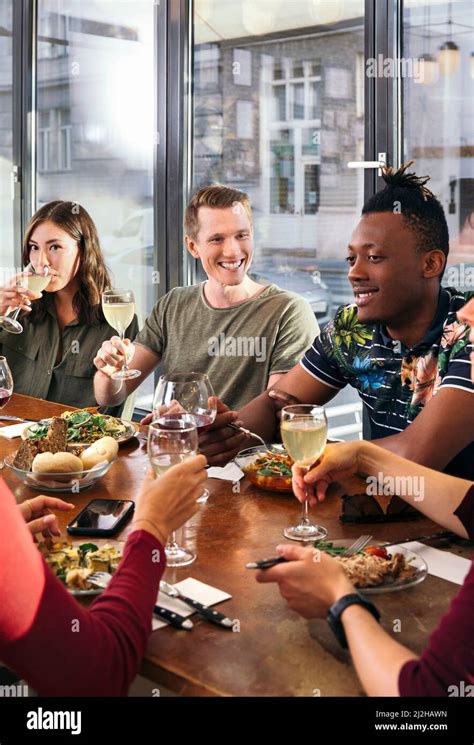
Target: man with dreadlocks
[400, 344]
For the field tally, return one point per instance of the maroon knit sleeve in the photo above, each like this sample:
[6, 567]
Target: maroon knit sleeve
[448, 660]
[70, 650]
[465, 512]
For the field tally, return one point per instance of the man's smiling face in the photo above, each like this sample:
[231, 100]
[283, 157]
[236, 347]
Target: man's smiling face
[224, 243]
[385, 269]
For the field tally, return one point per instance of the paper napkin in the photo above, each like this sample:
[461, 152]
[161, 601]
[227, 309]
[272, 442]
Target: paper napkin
[194, 589]
[230, 472]
[442, 564]
[13, 430]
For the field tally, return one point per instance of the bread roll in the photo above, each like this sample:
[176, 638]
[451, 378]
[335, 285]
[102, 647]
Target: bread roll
[105, 449]
[56, 463]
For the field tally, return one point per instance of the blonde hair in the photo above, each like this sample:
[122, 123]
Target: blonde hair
[217, 196]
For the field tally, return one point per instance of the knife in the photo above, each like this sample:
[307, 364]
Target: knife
[210, 614]
[174, 619]
[9, 418]
[432, 537]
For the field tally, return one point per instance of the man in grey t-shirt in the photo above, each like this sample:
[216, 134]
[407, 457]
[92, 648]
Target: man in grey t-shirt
[243, 334]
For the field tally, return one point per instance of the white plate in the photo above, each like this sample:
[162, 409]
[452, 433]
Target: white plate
[131, 431]
[414, 560]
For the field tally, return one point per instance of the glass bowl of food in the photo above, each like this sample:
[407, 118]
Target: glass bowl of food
[268, 469]
[60, 477]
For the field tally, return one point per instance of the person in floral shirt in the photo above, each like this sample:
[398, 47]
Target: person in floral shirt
[399, 344]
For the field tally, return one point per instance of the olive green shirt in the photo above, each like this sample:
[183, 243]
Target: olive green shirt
[238, 347]
[31, 356]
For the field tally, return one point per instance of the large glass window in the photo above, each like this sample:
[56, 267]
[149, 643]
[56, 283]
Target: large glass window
[438, 121]
[95, 137]
[7, 257]
[298, 64]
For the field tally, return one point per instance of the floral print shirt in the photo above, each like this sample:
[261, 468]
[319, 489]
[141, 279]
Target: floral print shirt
[393, 381]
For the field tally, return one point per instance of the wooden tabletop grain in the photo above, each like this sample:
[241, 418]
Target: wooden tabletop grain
[272, 651]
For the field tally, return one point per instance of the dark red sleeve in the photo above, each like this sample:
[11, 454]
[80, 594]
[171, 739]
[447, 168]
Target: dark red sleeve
[55, 644]
[465, 512]
[447, 663]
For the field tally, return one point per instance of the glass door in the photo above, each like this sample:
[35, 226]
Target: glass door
[438, 118]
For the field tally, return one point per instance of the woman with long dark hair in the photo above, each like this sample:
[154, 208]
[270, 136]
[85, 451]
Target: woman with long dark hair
[62, 328]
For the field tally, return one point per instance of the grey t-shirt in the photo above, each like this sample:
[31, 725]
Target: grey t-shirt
[238, 347]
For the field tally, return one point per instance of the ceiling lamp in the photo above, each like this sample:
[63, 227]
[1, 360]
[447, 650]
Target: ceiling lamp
[428, 63]
[449, 53]
[255, 19]
[428, 69]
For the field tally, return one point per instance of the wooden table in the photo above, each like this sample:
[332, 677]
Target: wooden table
[275, 652]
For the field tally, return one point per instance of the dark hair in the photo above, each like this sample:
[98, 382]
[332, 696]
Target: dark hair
[218, 196]
[419, 207]
[93, 275]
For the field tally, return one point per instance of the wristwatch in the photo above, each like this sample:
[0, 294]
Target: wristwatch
[335, 611]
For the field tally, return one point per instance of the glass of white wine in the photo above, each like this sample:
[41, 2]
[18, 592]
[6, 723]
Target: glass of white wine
[33, 278]
[304, 431]
[119, 309]
[172, 441]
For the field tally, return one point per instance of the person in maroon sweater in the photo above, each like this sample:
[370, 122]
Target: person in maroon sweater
[313, 587]
[59, 647]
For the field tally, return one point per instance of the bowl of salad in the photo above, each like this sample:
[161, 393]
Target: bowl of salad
[270, 471]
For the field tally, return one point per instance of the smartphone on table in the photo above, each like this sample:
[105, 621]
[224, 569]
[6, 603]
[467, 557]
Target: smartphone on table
[102, 517]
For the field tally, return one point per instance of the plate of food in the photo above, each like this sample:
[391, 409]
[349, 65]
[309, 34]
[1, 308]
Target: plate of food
[49, 463]
[84, 427]
[377, 569]
[270, 471]
[74, 563]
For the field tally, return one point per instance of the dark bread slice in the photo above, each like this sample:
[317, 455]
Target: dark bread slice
[57, 435]
[25, 455]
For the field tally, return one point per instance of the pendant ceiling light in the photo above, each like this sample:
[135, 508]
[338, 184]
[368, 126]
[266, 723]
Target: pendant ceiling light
[428, 64]
[449, 52]
[257, 17]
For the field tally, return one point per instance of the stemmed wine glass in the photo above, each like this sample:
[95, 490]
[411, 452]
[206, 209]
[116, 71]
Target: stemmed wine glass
[172, 441]
[186, 396]
[33, 278]
[6, 382]
[119, 309]
[304, 430]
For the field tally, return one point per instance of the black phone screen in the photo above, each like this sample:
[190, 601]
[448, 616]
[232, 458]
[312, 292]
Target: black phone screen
[102, 514]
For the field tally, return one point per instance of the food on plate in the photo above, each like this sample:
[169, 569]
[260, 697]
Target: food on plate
[270, 471]
[54, 440]
[369, 568]
[81, 426]
[56, 463]
[73, 564]
[104, 449]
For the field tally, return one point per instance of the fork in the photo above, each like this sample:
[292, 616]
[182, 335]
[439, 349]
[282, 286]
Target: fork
[357, 546]
[273, 449]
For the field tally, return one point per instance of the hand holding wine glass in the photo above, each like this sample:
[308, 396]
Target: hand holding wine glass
[188, 397]
[119, 308]
[18, 294]
[172, 441]
[304, 434]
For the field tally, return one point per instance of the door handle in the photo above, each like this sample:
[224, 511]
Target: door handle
[382, 161]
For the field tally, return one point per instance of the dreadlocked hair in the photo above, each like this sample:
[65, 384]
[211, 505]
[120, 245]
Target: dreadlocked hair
[93, 275]
[407, 194]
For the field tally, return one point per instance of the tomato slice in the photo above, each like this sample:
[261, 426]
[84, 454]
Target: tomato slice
[376, 551]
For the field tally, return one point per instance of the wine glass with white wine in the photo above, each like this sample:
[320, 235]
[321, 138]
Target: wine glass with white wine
[32, 278]
[304, 430]
[119, 308]
[172, 441]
